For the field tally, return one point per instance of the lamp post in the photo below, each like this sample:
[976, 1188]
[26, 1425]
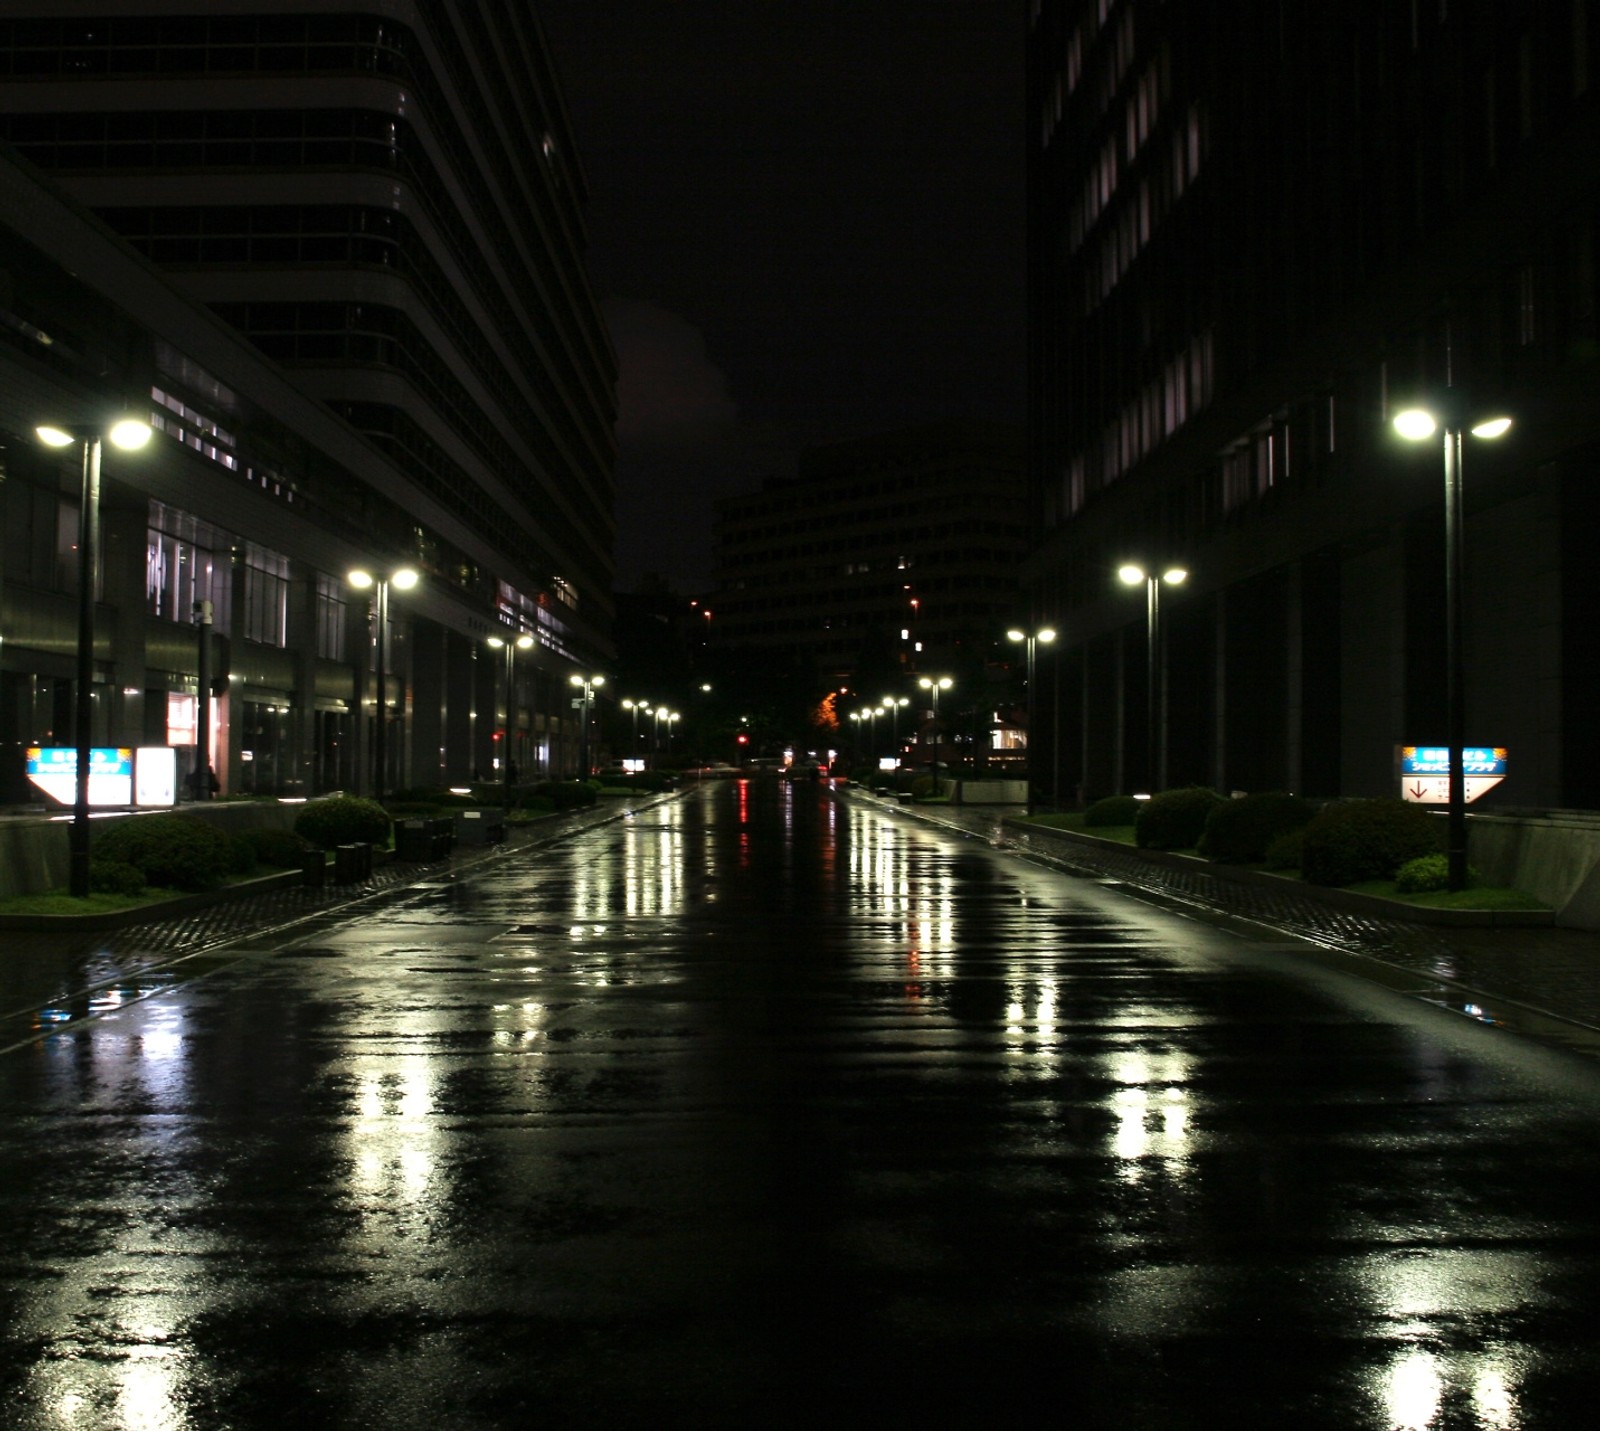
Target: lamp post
[894, 705]
[129, 434]
[523, 642]
[1418, 424]
[1031, 639]
[933, 685]
[588, 685]
[634, 707]
[657, 716]
[401, 578]
[1155, 688]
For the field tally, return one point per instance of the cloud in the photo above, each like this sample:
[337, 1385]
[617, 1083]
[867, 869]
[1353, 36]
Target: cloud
[669, 392]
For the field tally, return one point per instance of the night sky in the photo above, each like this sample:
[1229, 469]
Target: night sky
[806, 222]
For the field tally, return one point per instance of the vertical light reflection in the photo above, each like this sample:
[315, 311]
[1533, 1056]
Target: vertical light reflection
[1494, 1400]
[1412, 1390]
[1151, 1106]
[147, 1399]
[394, 1146]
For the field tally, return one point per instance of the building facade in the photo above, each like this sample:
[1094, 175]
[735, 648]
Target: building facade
[337, 259]
[1257, 231]
[888, 554]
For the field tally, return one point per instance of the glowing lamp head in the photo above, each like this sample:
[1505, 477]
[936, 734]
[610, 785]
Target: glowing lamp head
[494, 641]
[1048, 634]
[1131, 574]
[405, 578]
[129, 433]
[1491, 428]
[524, 642]
[53, 436]
[1175, 576]
[1416, 424]
[360, 578]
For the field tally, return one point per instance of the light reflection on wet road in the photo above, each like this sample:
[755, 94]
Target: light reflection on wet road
[762, 1107]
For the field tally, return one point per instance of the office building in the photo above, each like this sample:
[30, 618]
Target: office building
[1257, 233]
[386, 205]
[881, 558]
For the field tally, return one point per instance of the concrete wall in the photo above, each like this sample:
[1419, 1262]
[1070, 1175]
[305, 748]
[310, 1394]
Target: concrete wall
[989, 792]
[1554, 857]
[34, 855]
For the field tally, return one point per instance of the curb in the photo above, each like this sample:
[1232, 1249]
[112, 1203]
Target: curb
[1346, 900]
[535, 837]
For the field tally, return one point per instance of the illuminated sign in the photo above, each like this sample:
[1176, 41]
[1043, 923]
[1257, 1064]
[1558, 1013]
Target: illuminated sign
[1425, 772]
[54, 769]
[155, 775]
[117, 776]
[1435, 760]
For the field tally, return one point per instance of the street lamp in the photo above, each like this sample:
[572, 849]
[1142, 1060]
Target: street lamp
[1418, 424]
[401, 578]
[635, 707]
[894, 705]
[588, 685]
[129, 434]
[523, 642]
[933, 685]
[1155, 688]
[1046, 634]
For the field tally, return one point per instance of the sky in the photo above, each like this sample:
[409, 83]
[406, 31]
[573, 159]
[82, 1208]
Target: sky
[806, 225]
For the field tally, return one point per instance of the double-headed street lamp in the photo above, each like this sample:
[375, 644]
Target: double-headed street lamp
[1155, 687]
[1032, 638]
[867, 717]
[588, 685]
[401, 578]
[634, 707]
[129, 434]
[510, 646]
[662, 716]
[894, 705]
[933, 685]
[1452, 416]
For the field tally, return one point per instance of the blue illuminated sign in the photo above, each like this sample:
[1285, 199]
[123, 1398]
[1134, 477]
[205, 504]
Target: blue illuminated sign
[1435, 760]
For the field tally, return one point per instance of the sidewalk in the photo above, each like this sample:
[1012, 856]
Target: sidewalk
[1541, 981]
[80, 971]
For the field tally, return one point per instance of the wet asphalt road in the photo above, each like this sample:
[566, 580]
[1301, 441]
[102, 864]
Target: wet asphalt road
[764, 1108]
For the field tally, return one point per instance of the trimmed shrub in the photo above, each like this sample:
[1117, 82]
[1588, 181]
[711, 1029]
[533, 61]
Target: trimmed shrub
[1238, 832]
[115, 877]
[1113, 810]
[921, 787]
[279, 849]
[343, 820]
[1174, 819]
[1284, 853]
[1428, 873]
[1355, 840]
[566, 794]
[170, 851]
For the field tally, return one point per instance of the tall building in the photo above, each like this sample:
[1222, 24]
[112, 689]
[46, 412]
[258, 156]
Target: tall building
[888, 554]
[385, 202]
[1258, 231]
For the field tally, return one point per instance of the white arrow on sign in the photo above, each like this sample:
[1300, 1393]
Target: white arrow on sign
[1435, 789]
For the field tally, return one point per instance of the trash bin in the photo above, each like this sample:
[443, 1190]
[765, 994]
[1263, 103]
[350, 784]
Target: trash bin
[352, 863]
[423, 839]
[314, 868]
[480, 827]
